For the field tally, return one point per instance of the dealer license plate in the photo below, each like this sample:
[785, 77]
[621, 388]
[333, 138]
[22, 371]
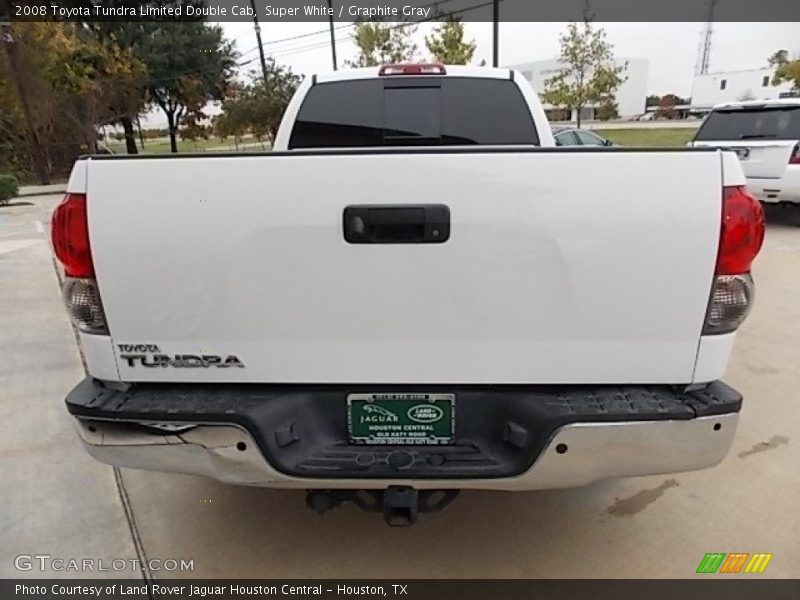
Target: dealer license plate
[401, 418]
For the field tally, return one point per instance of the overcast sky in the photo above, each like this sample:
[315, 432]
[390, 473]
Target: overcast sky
[671, 48]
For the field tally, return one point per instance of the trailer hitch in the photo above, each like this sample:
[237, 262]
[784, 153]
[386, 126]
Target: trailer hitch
[399, 504]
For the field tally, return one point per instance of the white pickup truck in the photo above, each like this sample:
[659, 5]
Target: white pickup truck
[415, 293]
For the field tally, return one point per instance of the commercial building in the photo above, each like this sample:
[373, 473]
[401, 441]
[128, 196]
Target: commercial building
[733, 86]
[630, 96]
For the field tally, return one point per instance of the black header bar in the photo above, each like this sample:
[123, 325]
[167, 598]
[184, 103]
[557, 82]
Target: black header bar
[344, 11]
[729, 588]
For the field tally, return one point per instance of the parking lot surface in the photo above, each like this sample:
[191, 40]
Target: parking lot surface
[58, 501]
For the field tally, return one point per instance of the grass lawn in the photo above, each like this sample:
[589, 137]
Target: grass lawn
[161, 146]
[648, 137]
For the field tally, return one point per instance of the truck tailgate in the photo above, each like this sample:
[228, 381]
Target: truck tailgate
[561, 266]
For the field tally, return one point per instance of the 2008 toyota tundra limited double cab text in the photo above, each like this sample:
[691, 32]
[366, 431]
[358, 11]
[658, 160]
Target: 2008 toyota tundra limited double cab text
[415, 293]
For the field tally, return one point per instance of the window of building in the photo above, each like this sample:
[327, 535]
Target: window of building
[765, 81]
[723, 84]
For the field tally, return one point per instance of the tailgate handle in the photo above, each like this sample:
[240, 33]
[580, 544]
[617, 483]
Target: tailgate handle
[396, 223]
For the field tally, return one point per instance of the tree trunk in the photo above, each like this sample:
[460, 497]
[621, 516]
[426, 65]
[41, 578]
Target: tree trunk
[38, 158]
[578, 116]
[173, 142]
[130, 135]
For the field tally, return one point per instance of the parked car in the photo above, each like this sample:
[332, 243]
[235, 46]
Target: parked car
[569, 136]
[414, 292]
[766, 137]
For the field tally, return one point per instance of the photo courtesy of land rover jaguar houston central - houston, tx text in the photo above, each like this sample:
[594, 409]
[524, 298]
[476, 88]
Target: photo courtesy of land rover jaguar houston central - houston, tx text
[416, 292]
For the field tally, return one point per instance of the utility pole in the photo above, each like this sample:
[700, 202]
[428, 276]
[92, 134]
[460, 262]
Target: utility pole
[496, 30]
[258, 39]
[333, 39]
[38, 159]
[139, 126]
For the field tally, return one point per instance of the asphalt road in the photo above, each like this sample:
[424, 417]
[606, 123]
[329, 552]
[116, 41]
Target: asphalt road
[58, 501]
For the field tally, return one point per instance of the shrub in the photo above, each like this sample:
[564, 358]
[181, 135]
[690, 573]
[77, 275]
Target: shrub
[8, 188]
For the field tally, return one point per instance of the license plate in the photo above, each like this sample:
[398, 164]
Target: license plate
[406, 419]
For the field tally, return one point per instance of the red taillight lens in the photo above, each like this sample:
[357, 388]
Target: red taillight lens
[412, 69]
[70, 235]
[794, 158]
[742, 231]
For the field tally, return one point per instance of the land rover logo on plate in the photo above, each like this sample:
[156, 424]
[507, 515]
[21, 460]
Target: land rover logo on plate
[425, 413]
[401, 418]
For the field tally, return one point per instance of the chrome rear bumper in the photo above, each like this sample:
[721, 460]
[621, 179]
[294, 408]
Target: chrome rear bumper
[576, 454]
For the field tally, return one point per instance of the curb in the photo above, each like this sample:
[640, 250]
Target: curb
[25, 191]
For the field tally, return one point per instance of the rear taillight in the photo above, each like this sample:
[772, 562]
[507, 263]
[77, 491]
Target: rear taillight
[70, 236]
[412, 69]
[82, 299]
[794, 158]
[70, 233]
[742, 231]
[741, 236]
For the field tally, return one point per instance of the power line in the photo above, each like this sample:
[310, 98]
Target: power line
[318, 45]
[353, 24]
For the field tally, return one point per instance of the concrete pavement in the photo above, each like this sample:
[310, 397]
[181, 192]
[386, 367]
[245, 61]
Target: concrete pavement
[60, 501]
[55, 499]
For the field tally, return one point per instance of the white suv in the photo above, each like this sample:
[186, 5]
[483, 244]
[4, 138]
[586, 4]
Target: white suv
[766, 136]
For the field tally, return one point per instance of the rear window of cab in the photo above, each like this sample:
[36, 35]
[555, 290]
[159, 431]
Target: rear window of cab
[762, 123]
[413, 111]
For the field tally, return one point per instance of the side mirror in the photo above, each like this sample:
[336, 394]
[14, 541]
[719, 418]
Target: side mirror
[608, 143]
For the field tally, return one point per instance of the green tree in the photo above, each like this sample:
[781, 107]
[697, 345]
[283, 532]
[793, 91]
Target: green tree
[193, 129]
[380, 43]
[666, 107]
[59, 84]
[447, 44]
[13, 143]
[96, 83]
[271, 97]
[189, 64]
[127, 35]
[587, 74]
[786, 70]
[257, 108]
[608, 110]
[9, 187]
[183, 76]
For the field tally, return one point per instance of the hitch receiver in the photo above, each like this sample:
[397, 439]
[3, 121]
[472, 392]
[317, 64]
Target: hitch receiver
[400, 505]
